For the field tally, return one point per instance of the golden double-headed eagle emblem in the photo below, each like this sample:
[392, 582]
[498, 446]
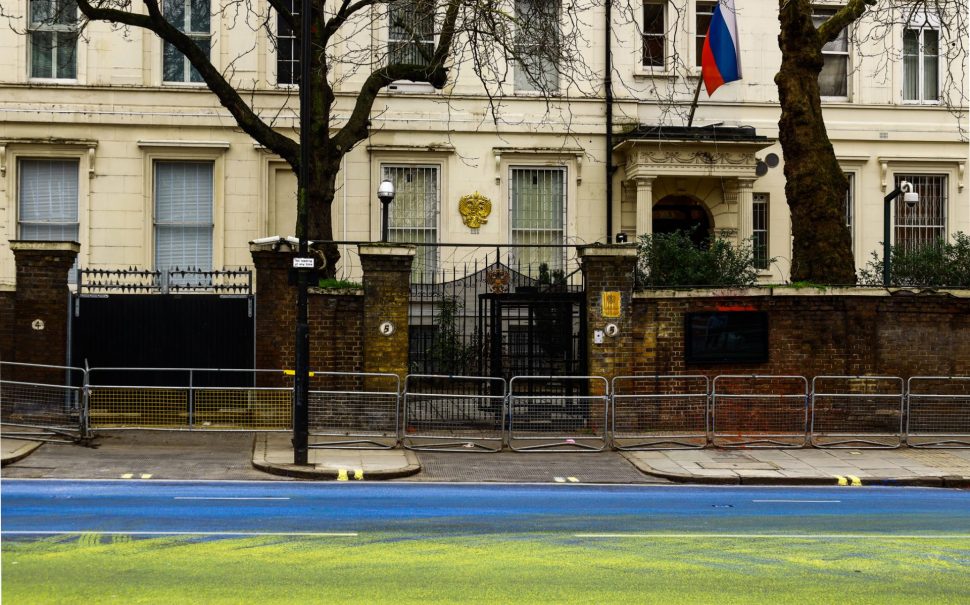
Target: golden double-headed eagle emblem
[474, 209]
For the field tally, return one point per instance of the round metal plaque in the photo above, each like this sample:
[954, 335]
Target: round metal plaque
[386, 328]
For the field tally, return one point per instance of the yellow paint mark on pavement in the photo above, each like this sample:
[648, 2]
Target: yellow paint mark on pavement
[359, 474]
[128, 475]
[842, 480]
[856, 482]
[146, 476]
[558, 479]
[573, 479]
[293, 373]
[342, 474]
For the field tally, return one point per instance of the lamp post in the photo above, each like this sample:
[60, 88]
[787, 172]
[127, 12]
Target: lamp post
[911, 197]
[385, 193]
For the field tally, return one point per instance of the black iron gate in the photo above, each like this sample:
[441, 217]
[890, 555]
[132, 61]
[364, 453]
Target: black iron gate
[191, 322]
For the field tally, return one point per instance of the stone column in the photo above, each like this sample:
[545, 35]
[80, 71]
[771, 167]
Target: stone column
[745, 209]
[608, 276]
[42, 301]
[387, 280]
[644, 204]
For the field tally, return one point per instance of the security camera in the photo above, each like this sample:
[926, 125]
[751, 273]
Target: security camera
[909, 194]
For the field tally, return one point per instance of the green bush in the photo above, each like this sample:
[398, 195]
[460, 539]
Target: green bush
[940, 264]
[673, 259]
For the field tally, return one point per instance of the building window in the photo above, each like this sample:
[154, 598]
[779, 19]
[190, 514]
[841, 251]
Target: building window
[921, 64]
[654, 35]
[833, 81]
[192, 18]
[923, 223]
[53, 39]
[705, 10]
[287, 48]
[759, 230]
[47, 204]
[850, 204]
[410, 37]
[538, 214]
[413, 215]
[537, 46]
[183, 215]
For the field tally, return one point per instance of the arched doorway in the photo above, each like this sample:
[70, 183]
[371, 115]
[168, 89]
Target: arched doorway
[682, 213]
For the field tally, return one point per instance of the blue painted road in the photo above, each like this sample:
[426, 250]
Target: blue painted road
[145, 507]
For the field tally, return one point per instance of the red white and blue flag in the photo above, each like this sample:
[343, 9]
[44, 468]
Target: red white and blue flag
[721, 58]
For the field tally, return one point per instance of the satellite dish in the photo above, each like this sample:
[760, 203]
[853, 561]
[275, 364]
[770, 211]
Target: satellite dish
[771, 159]
[760, 168]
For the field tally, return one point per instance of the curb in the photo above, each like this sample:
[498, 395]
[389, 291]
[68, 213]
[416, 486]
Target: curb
[330, 474]
[21, 452]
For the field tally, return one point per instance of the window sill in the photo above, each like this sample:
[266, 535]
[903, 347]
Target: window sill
[653, 72]
[67, 81]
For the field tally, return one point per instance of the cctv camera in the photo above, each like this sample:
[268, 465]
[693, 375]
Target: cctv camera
[909, 194]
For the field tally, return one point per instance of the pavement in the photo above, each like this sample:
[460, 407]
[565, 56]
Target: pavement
[200, 455]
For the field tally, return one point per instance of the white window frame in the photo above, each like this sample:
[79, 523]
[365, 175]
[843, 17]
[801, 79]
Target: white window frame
[278, 42]
[72, 276]
[35, 27]
[426, 261]
[827, 51]
[700, 36]
[762, 199]
[899, 205]
[564, 219]
[665, 66]
[522, 46]
[921, 22]
[156, 222]
[425, 41]
[185, 27]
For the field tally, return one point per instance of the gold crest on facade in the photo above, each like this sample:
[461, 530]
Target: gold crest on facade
[474, 209]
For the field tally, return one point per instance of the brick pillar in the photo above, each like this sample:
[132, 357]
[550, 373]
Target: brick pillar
[275, 308]
[42, 301]
[608, 271]
[387, 276]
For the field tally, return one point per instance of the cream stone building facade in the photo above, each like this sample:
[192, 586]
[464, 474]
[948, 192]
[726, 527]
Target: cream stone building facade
[113, 145]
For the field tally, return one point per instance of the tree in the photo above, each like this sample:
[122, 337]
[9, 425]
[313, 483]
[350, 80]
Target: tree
[815, 186]
[433, 41]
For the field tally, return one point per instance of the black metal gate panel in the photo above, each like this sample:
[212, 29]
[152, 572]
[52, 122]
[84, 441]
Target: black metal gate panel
[163, 331]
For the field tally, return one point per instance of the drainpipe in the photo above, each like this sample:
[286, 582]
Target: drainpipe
[608, 85]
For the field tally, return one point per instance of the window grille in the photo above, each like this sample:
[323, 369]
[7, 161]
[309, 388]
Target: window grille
[47, 201]
[654, 35]
[759, 230]
[192, 18]
[921, 64]
[287, 48]
[538, 214]
[410, 37]
[413, 215]
[833, 81]
[537, 46]
[183, 215]
[53, 39]
[925, 222]
[849, 209]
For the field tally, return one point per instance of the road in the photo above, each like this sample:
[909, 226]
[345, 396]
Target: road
[147, 507]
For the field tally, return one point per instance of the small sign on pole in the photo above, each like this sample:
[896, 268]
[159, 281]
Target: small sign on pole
[303, 262]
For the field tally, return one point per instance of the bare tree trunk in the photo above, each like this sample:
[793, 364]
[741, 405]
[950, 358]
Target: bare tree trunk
[815, 185]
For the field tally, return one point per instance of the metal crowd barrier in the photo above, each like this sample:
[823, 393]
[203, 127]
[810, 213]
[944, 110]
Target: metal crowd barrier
[660, 412]
[453, 413]
[42, 402]
[857, 412]
[354, 410]
[938, 412]
[187, 399]
[557, 413]
[759, 411]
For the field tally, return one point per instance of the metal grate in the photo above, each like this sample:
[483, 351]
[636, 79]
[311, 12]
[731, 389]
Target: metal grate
[537, 216]
[857, 411]
[46, 398]
[924, 223]
[759, 411]
[939, 411]
[453, 413]
[413, 216]
[660, 412]
[354, 410]
[410, 38]
[759, 229]
[558, 413]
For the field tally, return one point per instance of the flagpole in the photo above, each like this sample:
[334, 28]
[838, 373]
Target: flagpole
[693, 105]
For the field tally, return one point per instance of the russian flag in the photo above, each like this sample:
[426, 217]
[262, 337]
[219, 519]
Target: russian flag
[721, 59]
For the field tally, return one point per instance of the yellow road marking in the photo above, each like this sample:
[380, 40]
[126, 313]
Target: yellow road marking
[342, 474]
[359, 474]
[146, 476]
[127, 475]
[842, 480]
[293, 373]
[573, 479]
[855, 480]
[558, 479]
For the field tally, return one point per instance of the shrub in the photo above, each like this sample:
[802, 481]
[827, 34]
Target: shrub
[673, 259]
[937, 265]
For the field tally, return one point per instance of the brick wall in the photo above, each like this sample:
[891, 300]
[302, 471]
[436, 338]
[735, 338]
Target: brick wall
[831, 334]
[7, 314]
[387, 274]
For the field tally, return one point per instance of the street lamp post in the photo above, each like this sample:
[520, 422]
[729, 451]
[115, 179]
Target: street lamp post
[911, 197]
[385, 193]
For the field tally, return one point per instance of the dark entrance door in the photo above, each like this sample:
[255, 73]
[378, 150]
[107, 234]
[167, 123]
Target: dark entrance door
[163, 331]
[682, 213]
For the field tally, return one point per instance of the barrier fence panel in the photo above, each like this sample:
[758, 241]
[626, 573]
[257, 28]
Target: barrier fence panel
[558, 413]
[939, 411]
[759, 411]
[354, 410]
[857, 411]
[660, 412]
[42, 402]
[453, 413]
[188, 399]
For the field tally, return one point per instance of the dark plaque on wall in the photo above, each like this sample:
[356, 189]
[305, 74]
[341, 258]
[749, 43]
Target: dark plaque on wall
[726, 337]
